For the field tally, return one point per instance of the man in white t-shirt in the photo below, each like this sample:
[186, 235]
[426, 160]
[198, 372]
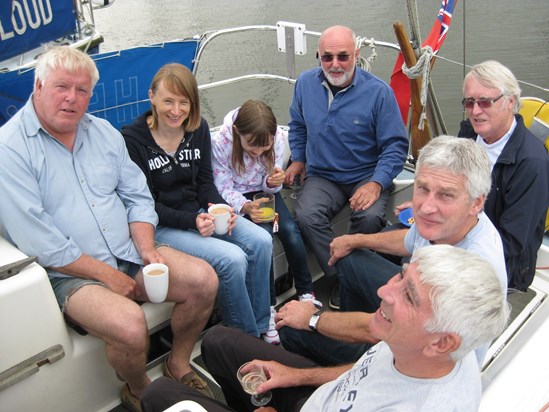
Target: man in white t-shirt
[433, 313]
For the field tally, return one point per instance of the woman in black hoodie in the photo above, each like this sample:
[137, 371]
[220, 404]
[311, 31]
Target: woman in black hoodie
[171, 144]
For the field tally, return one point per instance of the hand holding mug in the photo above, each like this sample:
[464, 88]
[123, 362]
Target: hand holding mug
[205, 224]
[222, 215]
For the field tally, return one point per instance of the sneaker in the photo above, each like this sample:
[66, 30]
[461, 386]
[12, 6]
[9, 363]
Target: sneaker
[312, 298]
[191, 379]
[334, 297]
[129, 400]
[271, 336]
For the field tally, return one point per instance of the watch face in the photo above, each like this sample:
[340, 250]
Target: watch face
[314, 320]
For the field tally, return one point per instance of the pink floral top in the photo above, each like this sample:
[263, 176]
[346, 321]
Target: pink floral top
[230, 184]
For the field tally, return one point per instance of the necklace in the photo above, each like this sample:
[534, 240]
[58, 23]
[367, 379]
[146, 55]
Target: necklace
[169, 144]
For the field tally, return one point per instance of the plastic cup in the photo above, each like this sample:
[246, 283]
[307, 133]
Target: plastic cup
[221, 213]
[156, 277]
[266, 205]
[250, 381]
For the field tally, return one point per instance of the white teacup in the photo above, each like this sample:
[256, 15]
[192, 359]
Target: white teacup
[221, 212]
[156, 279]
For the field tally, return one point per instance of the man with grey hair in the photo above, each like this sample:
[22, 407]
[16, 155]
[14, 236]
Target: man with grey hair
[450, 188]
[519, 198]
[72, 197]
[433, 313]
[347, 140]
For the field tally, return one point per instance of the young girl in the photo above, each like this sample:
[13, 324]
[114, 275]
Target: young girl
[171, 144]
[247, 156]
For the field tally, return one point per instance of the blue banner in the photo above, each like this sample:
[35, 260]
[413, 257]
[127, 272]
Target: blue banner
[121, 94]
[125, 77]
[26, 24]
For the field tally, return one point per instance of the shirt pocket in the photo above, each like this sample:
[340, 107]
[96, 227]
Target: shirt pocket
[103, 175]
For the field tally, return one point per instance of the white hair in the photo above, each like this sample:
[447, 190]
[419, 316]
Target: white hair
[461, 157]
[65, 57]
[494, 75]
[466, 296]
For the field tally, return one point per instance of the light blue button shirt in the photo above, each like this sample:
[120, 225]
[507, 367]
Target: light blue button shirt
[57, 204]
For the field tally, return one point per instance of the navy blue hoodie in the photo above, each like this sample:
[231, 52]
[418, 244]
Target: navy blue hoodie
[181, 184]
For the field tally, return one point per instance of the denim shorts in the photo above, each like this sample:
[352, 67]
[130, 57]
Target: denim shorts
[65, 287]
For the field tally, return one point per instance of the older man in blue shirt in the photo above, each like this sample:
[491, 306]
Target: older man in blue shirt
[73, 198]
[346, 133]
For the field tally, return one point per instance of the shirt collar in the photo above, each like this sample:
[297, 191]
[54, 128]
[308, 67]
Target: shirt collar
[30, 119]
[507, 135]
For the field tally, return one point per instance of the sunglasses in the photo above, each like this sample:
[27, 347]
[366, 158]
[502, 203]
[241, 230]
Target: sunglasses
[327, 58]
[482, 103]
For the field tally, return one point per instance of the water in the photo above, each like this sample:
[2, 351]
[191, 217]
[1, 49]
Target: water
[513, 32]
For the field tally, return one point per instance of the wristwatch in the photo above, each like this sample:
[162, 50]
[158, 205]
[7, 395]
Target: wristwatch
[314, 319]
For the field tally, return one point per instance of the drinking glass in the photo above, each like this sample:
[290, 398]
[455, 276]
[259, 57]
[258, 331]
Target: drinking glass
[296, 183]
[266, 206]
[250, 381]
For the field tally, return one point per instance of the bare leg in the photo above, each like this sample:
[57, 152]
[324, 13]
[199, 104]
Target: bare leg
[193, 286]
[120, 323]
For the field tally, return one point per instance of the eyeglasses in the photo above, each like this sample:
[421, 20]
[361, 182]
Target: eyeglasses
[327, 58]
[482, 103]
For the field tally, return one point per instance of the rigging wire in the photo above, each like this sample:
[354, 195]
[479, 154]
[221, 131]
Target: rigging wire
[463, 50]
[466, 66]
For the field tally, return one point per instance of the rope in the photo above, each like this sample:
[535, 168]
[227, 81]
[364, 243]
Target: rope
[362, 62]
[422, 68]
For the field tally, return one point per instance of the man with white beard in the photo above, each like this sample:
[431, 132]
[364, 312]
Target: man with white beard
[347, 140]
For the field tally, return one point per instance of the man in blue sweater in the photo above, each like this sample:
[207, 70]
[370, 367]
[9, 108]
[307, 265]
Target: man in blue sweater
[348, 140]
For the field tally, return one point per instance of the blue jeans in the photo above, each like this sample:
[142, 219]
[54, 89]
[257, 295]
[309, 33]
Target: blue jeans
[294, 248]
[361, 274]
[242, 261]
[321, 349]
[319, 200]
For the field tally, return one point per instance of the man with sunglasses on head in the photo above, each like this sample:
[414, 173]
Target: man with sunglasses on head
[347, 140]
[519, 197]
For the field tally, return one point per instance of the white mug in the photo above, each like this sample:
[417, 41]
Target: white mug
[221, 212]
[156, 279]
